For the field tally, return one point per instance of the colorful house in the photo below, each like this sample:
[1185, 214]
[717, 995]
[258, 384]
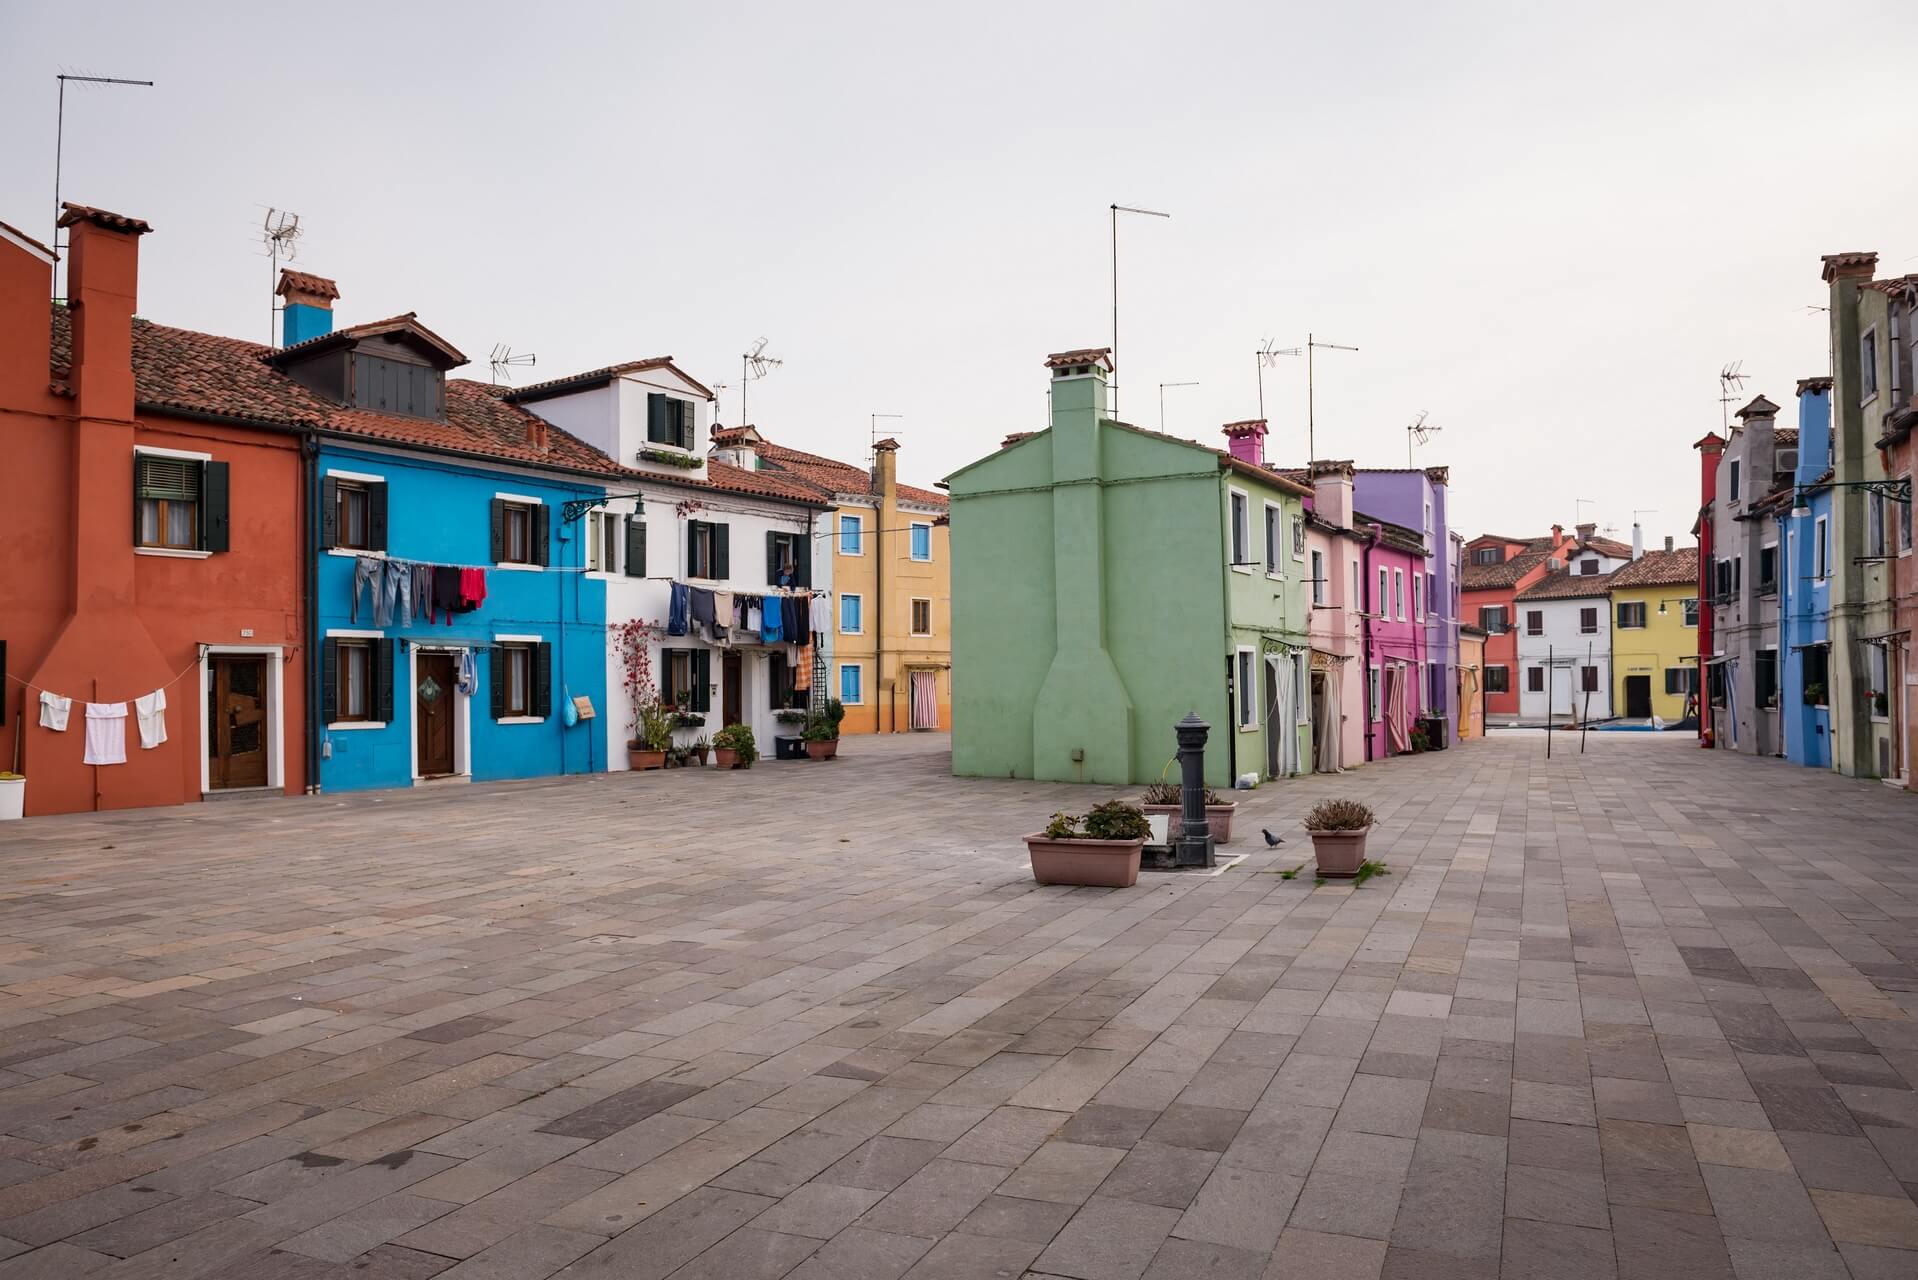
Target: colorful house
[892, 573]
[1396, 642]
[1495, 569]
[1168, 578]
[1565, 641]
[1654, 641]
[1471, 687]
[1335, 591]
[1741, 673]
[1804, 599]
[156, 529]
[1415, 499]
[1900, 454]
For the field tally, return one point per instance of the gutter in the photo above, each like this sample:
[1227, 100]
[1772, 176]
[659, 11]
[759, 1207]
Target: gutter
[1365, 617]
[315, 699]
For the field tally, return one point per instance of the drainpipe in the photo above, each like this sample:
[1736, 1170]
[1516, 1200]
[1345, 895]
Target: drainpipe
[1365, 620]
[816, 700]
[315, 730]
[879, 623]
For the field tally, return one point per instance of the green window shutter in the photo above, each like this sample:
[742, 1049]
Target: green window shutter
[542, 533]
[543, 680]
[382, 665]
[376, 516]
[329, 680]
[667, 693]
[802, 548]
[692, 548]
[216, 521]
[635, 547]
[722, 558]
[702, 679]
[772, 558]
[496, 660]
[656, 428]
[685, 424]
[499, 530]
[329, 512]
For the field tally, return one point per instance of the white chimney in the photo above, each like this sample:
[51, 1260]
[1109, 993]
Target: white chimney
[1638, 541]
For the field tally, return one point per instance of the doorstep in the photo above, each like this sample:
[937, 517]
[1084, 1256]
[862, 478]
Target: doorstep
[448, 780]
[226, 795]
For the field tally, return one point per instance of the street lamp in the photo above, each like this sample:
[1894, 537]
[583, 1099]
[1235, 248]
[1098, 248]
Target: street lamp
[1118, 209]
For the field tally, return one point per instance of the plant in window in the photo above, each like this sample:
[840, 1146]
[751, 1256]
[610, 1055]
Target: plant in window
[734, 747]
[685, 461]
[684, 719]
[1814, 694]
[791, 715]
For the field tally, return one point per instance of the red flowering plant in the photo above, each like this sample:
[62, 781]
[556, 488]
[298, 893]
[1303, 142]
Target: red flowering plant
[651, 725]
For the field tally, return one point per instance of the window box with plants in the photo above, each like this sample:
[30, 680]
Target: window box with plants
[1165, 797]
[1338, 829]
[734, 747]
[1100, 850]
[1814, 696]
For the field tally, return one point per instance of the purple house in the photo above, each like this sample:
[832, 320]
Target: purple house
[1416, 499]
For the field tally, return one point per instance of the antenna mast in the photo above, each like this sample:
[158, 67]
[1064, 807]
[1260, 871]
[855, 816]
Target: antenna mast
[1312, 344]
[1268, 357]
[280, 232]
[872, 438]
[755, 364]
[1730, 380]
[1418, 432]
[504, 360]
[59, 151]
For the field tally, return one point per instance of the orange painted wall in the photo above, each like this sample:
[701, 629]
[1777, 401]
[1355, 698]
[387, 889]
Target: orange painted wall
[83, 614]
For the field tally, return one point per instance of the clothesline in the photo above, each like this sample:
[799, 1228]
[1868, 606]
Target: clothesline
[28, 684]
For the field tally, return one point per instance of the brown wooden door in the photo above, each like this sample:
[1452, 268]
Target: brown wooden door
[732, 673]
[433, 712]
[236, 714]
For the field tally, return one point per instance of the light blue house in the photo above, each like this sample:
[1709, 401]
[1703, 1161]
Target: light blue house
[454, 621]
[1804, 592]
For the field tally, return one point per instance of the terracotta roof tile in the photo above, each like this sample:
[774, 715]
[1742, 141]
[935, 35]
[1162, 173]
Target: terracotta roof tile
[1083, 355]
[596, 377]
[71, 213]
[26, 239]
[1565, 585]
[1291, 482]
[830, 476]
[292, 281]
[406, 323]
[1678, 567]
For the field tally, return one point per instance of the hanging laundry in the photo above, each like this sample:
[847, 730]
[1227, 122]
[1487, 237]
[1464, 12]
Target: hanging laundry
[150, 711]
[467, 682]
[423, 592]
[726, 617]
[53, 711]
[802, 669]
[399, 590]
[367, 572]
[771, 620]
[676, 610]
[700, 608]
[472, 589]
[752, 617]
[819, 614]
[446, 590]
[796, 626]
[106, 733]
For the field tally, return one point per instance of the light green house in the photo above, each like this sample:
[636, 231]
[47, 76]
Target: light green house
[1108, 580]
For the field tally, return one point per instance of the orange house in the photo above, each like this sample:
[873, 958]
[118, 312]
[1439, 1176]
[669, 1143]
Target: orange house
[150, 549]
[1496, 569]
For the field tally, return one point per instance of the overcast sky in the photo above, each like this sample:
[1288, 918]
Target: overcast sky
[1550, 232]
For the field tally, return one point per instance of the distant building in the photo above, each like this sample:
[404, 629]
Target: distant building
[1654, 602]
[1494, 570]
[1565, 640]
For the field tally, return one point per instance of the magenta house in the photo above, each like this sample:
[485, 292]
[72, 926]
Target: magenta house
[1414, 499]
[1395, 635]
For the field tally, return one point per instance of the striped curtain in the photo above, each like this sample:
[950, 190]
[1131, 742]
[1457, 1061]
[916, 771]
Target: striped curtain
[925, 700]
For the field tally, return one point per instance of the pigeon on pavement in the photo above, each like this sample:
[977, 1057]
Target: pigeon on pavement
[1271, 841]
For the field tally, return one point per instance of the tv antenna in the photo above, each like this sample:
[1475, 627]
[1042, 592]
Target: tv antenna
[504, 359]
[1417, 433]
[280, 232]
[755, 364]
[1268, 357]
[1730, 380]
[1312, 344]
[872, 437]
[59, 149]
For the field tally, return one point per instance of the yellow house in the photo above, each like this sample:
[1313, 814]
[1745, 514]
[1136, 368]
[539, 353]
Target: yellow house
[1655, 634]
[890, 660]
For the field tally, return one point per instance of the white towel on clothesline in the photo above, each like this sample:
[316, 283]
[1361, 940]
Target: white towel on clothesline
[53, 711]
[106, 733]
[151, 713]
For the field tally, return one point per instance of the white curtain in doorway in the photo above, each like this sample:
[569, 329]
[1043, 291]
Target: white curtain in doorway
[1398, 728]
[925, 700]
[1281, 722]
[1326, 715]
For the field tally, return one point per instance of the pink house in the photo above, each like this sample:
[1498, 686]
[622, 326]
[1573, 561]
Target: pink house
[1394, 634]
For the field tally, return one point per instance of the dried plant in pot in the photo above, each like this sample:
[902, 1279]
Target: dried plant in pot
[1100, 849]
[1168, 798]
[1338, 829]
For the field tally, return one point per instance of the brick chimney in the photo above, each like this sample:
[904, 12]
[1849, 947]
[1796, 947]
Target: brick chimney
[1587, 531]
[103, 273]
[308, 312]
[1332, 493]
[1246, 440]
[885, 469]
[1558, 535]
[1668, 544]
[1814, 428]
[26, 281]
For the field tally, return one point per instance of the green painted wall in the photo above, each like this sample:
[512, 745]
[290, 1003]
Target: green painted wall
[1090, 602]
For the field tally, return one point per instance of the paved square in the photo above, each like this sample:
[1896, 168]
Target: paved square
[1643, 1012]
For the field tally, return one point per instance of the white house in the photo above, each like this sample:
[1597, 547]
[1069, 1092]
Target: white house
[693, 520]
[1565, 649]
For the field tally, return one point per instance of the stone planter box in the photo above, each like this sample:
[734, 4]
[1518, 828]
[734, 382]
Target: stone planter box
[1218, 818]
[1339, 853]
[1104, 864]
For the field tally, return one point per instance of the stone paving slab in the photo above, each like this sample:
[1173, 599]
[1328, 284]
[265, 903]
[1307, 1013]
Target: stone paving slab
[1642, 1012]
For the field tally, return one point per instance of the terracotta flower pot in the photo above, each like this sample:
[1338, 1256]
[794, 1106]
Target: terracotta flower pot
[820, 750]
[637, 759]
[1339, 853]
[1104, 864]
[727, 758]
[1219, 818]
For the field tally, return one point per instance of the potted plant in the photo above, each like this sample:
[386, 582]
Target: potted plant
[791, 715]
[13, 795]
[701, 748]
[1880, 703]
[684, 719]
[1101, 849]
[1814, 695]
[1168, 798]
[1338, 829]
[821, 742]
[734, 748]
[652, 736]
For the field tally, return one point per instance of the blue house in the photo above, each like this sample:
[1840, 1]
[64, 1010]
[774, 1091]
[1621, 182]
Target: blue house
[453, 622]
[1804, 590]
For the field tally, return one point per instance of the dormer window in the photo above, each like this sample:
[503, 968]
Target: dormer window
[395, 366]
[397, 386]
[669, 421]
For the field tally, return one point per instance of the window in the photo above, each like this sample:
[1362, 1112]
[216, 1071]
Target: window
[851, 691]
[779, 684]
[1298, 537]
[921, 541]
[1274, 535]
[517, 678]
[1398, 594]
[1765, 677]
[787, 564]
[1588, 679]
[519, 532]
[1733, 487]
[1488, 555]
[921, 617]
[1821, 550]
[1356, 602]
[1588, 566]
[1690, 606]
[1380, 602]
[1904, 516]
[1493, 619]
[1418, 597]
[851, 614]
[603, 536]
[1498, 680]
[1241, 532]
[1431, 594]
[852, 538]
[1868, 365]
[353, 700]
[1878, 664]
[1631, 614]
[350, 501]
[669, 421]
[1874, 524]
[1768, 569]
[397, 386]
[1716, 684]
[708, 552]
[180, 504]
[685, 677]
[1588, 621]
[1817, 674]
[1535, 622]
[1248, 690]
[1681, 680]
[1373, 697]
[1318, 577]
[1738, 574]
